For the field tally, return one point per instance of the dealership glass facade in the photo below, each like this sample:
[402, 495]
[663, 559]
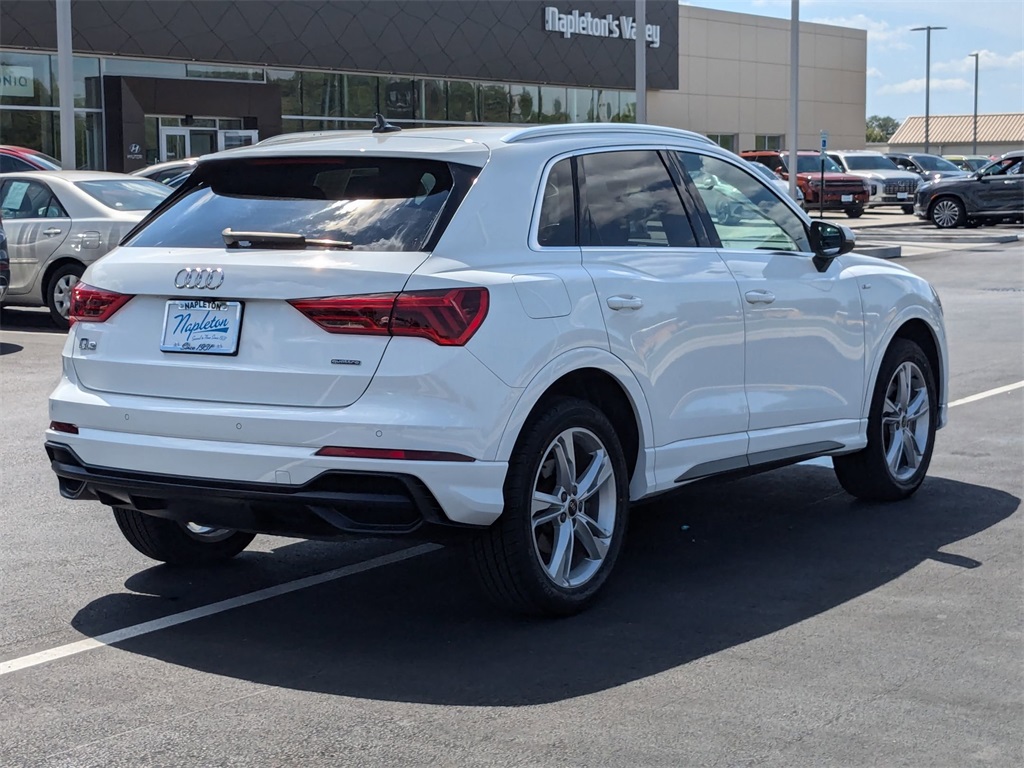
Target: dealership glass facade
[310, 100]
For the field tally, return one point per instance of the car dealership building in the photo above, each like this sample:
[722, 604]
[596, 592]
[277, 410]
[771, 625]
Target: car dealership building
[176, 78]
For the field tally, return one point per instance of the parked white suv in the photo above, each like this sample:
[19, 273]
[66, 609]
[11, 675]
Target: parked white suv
[505, 334]
[888, 183]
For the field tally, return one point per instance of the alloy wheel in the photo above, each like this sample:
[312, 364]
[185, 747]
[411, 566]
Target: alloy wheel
[573, 508]
[62, 294]
[905, 421]
[946, 213]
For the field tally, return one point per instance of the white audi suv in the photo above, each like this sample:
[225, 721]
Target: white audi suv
[501, 334]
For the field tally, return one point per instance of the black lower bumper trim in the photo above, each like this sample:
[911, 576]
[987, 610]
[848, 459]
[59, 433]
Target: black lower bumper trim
[335, 504]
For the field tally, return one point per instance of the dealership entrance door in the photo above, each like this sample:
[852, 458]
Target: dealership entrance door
[203, 136]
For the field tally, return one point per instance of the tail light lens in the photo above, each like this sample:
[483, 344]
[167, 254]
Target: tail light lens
[391, 453]
[449, 316]
[94, 304]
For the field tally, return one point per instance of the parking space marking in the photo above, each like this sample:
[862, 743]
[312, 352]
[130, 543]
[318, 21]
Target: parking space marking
[986, 393]
[127, 633]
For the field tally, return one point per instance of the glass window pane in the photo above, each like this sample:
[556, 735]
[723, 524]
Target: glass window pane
[525, 103]
[360, 96]
[151, 149]
[397, 98]
[291, 89]
[632, 201]
[580, 105]
[138, 68]
[224, 73]
[552, 105]
[34, 130]
[87, 82]
[724, 140]
[607, 105]
[494, 102]
[768, 142]
[433, 99]
[26, 80]
[557, 225]
[321, 94]
[746, 213]
[291, 126]
[462, 101]
[627, 107]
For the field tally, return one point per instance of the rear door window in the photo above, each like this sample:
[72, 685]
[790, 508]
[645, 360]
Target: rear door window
[372, 204]
[632, 201]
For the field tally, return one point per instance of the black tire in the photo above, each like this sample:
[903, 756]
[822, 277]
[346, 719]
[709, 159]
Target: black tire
[907, 208]
[856, 212]
[508, 557]
[172, 543]
[56, 292]
[867, 474]
[947, 213]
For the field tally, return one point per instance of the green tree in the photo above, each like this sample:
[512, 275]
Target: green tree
[880, 129]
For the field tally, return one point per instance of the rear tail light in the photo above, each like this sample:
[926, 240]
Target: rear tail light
[449, 316]
[94, 304]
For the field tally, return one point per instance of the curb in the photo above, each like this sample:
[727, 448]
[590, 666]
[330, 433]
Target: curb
[880, 251]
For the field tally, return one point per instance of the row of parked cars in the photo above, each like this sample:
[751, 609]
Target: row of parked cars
[966, 193]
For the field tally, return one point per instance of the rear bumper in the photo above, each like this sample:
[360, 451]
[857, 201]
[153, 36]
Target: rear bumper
[336, 503]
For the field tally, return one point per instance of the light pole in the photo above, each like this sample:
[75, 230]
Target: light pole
[641, 60]
[974, 146]
[927, 80]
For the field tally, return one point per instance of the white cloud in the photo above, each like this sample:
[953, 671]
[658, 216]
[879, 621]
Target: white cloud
[986, 60]
[917, 86]
[880, 33]
[874, 72]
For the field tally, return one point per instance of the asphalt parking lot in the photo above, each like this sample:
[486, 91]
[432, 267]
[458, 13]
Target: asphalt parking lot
[770, 621]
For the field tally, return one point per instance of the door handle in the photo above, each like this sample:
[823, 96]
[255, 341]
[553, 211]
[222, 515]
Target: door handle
[759, 297]
[625, 302]
[51, 231]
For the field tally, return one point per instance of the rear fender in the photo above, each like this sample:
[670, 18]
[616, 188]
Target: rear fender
[574, 360]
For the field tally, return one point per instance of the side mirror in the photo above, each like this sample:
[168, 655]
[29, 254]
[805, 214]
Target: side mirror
[829, 241]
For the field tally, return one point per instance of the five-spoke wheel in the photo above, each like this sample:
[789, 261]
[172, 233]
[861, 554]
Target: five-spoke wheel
[573, 513]
[566, 504]
[901, 429]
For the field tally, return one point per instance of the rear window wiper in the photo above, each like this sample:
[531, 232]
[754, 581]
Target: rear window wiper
[288, 240]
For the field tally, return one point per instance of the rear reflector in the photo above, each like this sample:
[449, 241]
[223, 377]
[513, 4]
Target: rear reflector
[94, 304]
[449, 316]
[63, 426]
[391, 453]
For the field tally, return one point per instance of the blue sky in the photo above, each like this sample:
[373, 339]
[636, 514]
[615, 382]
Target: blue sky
[896, 56]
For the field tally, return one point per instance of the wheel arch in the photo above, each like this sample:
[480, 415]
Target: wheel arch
[600, 378]
[913, 325]
[53, 266]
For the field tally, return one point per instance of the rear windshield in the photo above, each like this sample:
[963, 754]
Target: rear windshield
[370, 204]
[126, 195]
[870, 163]
[933, 163]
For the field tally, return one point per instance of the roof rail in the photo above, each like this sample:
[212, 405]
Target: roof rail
[575, 129]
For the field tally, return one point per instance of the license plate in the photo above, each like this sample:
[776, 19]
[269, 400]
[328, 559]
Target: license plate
[901, 195]
[202, 327]
[847, 198]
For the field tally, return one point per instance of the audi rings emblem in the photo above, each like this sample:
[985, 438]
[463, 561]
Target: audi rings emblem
[199, 277]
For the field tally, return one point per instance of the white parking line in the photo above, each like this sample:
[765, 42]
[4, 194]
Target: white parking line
[986, 393]
[120, 635]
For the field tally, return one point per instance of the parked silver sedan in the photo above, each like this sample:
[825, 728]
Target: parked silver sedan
[59, 222]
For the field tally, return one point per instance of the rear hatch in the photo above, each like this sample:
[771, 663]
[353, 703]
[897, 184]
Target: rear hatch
[264, 280]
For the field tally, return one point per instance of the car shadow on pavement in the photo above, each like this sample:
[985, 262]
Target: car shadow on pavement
[26, 319]
[710, 568]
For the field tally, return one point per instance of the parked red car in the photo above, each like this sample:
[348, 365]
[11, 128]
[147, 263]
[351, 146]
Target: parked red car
[19, 159]
[841, 191]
